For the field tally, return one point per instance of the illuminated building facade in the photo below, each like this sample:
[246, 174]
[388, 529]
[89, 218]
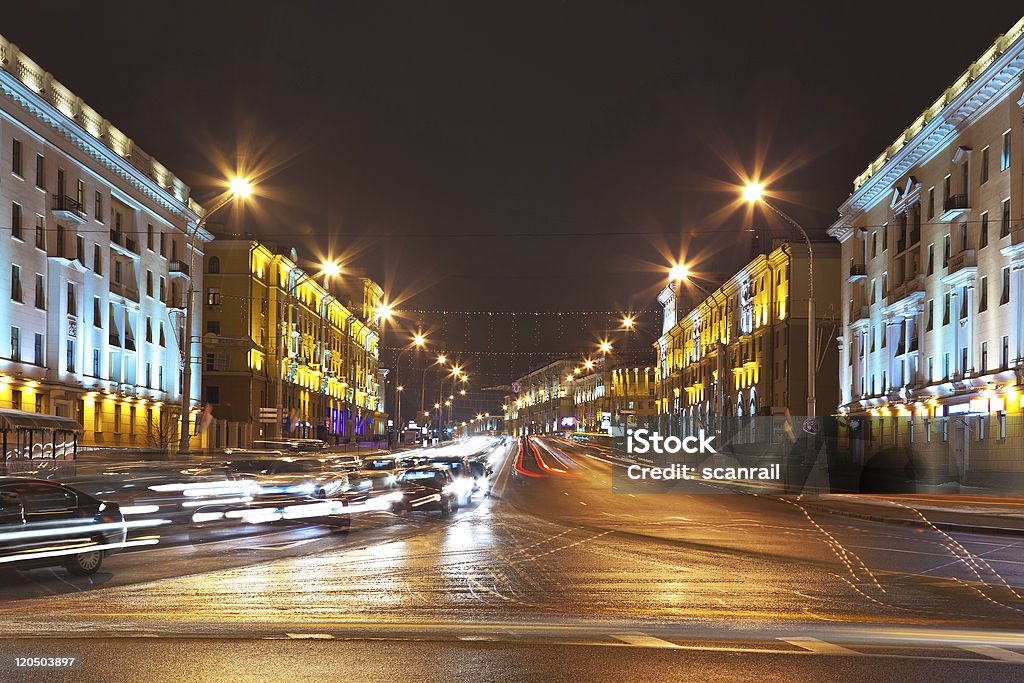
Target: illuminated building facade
[543, 401]
[95, 255]
[614, 396]
[742, 350]
[933, 275]
[266, 321]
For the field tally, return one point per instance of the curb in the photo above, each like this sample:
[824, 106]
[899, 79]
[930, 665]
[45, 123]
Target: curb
[944, 526]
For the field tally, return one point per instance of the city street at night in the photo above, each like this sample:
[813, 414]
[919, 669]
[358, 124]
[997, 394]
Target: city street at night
[492, 341]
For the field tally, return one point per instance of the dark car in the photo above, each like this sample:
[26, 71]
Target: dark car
[46, 524]
[427, 488]
[465, 483]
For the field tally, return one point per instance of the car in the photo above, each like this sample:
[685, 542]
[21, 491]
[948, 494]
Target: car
[315, 477]
[427, 487]
[47, 524]
[382, 463]
[464, 482]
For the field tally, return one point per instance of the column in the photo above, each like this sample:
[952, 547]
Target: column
[954, 319]
[970, 328]
[1017, 299]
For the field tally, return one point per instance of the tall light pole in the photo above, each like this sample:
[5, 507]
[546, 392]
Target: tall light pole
[442, 360]
[418, 342]
[754, 194]
[237, 188]
[456, 371]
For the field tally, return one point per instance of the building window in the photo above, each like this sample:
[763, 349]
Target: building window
[213, 327]
[150, 236]
[117, 272]
[16, 399]
[213, 265]
[16, 220]
[885, 236]
[945, 365]
[16, 157]
[163, 289]
[149, 329]
[984, 357]
[1004, 354]
[1004, 159]
[984, 165]
[163, 245]
[213, 297]
[963, 237]
[40, 233]
[946, 190]
[80, 249]
[1004, 296]
[15, 344]
[163, 339]
[71, 355]
[983, 231]
[963, 303]
[946, 249]
[983, 295]
[149, 283]
[97, 205]
[38, 348]
[117, 418]
[931, 368]
[72, 300]
[1004, 219]
[95, 362]
[930, 316]
[945, 308]
[160, 377]
[874, 244]
[963, 361]
[40, 172]
[149, 375]
[931, 203]
[97, 259]
[40, 292]
[80, 195]
[97, 317]
[931, 259]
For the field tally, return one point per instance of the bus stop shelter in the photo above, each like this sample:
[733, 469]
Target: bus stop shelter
[34, 436]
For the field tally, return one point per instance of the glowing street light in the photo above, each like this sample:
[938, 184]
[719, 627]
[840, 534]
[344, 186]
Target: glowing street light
[385, 311]
[419, 340]
[753, 192]
[441, 359]
[605, 347]
[400, 388]
[240, 187]
[678, 273]
[628, 322]
[330, 269]
[588, 364]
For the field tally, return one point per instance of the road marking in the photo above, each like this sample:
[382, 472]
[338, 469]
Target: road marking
[310, 636]
[994, 652]
[819, 646]
[644, 640]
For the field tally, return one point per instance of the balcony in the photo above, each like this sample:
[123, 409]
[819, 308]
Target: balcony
[858, 271]
[123, 244]
[68, 209]
[125, 291]
[858, 313]
[902, 291]
[965, 259]
[955, 206]
[178, 269]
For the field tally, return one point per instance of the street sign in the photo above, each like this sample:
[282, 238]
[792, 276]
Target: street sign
[811, 425]
[268, 415]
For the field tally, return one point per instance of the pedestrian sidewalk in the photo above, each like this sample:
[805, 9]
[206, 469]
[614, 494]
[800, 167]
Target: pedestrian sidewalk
[968, 512]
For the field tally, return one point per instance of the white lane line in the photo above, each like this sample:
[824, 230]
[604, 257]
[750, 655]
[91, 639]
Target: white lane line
[819, 646]
[286, 545]
[994, 652]
[644, 640]
[310, 636]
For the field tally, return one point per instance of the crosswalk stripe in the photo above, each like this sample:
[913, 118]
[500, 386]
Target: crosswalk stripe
[644, 640]
[819, 646]
[994, 652]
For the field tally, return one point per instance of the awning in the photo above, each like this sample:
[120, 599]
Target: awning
[14, 420]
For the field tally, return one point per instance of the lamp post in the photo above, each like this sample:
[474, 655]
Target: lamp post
[238, 188]
[754, 194]
[456, 371]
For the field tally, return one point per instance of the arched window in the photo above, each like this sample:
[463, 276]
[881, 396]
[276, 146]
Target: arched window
[213, 265]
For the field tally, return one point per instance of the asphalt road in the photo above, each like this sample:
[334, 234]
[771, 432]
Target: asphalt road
[557, 567]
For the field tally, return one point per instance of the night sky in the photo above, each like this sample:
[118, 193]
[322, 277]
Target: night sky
[512, 156]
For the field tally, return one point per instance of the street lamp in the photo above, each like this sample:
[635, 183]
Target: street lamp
[418, 342]
[441, 360]
[605, 347]
[754, 193]
[628, 322]
[238, 188]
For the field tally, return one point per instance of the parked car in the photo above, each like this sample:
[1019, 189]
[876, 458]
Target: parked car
[46, 524]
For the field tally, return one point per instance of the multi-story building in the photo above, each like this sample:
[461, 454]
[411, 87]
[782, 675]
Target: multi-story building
[933, 275]
[276, 336]
[742, 350]
[95, 249]
[543, 400]
[615, 395]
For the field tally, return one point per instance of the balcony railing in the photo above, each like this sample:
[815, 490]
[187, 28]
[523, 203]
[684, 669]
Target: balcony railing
[178, 268]
[857, 271]
[124, 243]
[965, 259]
[70, 208]
[955, 205]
